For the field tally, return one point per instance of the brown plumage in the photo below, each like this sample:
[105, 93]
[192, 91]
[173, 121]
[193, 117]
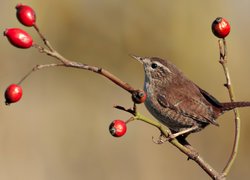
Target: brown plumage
[176, 101]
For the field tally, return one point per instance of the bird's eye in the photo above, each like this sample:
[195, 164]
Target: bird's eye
[154, 65]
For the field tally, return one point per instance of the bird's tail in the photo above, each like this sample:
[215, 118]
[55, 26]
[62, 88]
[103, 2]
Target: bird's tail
[231, 105]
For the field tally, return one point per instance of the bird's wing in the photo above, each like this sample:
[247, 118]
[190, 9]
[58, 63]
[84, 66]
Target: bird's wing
[191, 104]
[210, 98]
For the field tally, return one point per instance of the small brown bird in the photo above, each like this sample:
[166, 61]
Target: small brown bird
[176, 101]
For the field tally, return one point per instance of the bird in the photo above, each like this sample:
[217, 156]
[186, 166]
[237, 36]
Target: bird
[176, 101]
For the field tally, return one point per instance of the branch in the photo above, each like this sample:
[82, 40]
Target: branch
[68, 63]
[228, 85]
[185, 148]
[166, 133]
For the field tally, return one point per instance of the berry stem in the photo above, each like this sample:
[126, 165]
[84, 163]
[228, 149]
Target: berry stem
[46, 42]
[38, 67]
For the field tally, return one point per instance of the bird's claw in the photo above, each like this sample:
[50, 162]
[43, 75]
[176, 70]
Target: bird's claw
[161, 139]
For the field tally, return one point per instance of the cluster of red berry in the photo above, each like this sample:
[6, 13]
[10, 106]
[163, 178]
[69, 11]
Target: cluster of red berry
[18, 37]
[21, 39]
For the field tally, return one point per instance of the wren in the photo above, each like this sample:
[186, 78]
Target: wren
[176, 101]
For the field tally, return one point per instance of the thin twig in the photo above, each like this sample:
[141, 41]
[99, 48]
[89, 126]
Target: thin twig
[46, 42]
[228, 85]
[129, 110]
[38, 67]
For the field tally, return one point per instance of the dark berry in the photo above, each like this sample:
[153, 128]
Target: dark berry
[221, 27]
[139, 96]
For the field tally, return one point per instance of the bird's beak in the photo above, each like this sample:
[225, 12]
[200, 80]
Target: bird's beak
[138, 58]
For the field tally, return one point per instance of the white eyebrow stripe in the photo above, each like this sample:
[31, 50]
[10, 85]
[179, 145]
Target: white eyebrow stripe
[167, 69]
[159, 64]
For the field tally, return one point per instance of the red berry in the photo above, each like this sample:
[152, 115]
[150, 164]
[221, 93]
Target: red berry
[117, 128]
[221, 27]
[13, 94]
[18, 37]
[139, 96]
[26, 15]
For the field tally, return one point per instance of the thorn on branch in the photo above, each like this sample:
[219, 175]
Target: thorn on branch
[129, 110]
[226, 85]
[40, 48]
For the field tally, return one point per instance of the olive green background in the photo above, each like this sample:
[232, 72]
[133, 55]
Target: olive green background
[59, 130]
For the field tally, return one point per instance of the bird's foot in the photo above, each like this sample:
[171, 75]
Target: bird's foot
[181, 133]
[161, 139]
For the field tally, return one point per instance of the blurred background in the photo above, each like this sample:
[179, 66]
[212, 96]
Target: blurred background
[59, 130]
